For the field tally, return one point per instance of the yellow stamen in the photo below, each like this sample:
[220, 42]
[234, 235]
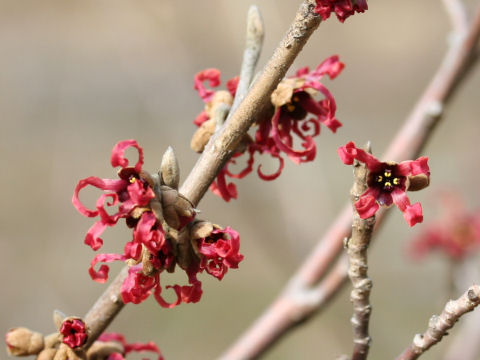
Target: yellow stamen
[388, 173]
[132, 180]
[290, 107]
[379, 178]
[396, 181]
[388, 184]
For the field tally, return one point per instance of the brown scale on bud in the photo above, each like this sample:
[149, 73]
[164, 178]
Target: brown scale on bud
[102, 350]
[199, 230]
[177, 209]
[220, 98]
[202, 135]
[417, 182]
[23, 342]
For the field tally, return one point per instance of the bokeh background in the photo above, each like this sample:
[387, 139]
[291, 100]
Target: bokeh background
[77, 76]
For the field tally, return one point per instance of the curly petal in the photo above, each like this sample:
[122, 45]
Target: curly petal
[118, 158]
[210, 75]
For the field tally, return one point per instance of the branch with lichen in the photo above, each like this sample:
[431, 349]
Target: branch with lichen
[357, 246]
[312, 287]
[220, 147]
[440, 324]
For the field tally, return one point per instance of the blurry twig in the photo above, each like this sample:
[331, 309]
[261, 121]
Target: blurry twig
[457, 12]
[220, 147]
[290, 308]
[439, 325]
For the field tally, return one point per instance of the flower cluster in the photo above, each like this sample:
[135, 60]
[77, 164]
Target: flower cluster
[161, 219]
[342, 8]
[456, 233]
[67, 343]
[295, 117]
[388, 183]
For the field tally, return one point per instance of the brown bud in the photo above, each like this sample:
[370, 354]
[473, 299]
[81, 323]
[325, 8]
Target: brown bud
[219, 98]
[101, 350]
[147, 266]
[202, 135]
[64, 352]
[184, 249]
[23, 342]
[47, 354]
[177, 209]
[417, 182]
[170, 171]
[199, 230]
[52, 340]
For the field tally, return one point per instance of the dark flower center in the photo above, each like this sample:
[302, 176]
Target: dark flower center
[294, 109]
[386, 180]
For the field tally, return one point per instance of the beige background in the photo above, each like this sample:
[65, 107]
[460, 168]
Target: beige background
[77, 76]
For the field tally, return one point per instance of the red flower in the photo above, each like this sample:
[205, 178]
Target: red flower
[456, 233]
[128, 348]
[74, 332]
[294, 102]
[342, 8]
[130, 191]
[388, 182]
[220, 251]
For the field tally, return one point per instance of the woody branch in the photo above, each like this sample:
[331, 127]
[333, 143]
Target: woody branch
[220, 147]
[304, 294]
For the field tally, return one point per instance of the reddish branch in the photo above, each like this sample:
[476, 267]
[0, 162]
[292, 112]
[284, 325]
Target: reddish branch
[221, 146]
[294, 305]
[439, 325]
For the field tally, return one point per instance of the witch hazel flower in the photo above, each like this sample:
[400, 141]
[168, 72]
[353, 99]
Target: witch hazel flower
[217, 247]
[152, 208]
[295, 117]
[73, 332]
[342, 8]
[456, 233]
[388, 182]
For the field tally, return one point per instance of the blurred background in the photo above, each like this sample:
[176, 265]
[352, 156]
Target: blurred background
[77, 76]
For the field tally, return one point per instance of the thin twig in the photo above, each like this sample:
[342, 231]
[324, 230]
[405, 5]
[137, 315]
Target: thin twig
[407, 144]
[253, 48]
[439, 325]
[220, 147]
[357, 246]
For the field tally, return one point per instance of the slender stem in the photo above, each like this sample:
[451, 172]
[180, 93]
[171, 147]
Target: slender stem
[220, 147]
[439, 325]
[407, 144]
[251, 54]
[357, 246]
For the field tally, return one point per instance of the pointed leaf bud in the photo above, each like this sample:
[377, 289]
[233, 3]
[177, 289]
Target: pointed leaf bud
[58, 318]
[170, 171]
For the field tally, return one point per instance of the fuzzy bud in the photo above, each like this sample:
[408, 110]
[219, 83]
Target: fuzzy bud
[177, 209]
[170, 171]
[220, 98]
[418, 182]
[23, 342]
[47, 354]
[202, 135]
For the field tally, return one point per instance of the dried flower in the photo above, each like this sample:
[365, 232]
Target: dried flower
[456, 233]
[74, 332]
[342, 8]
[388, 183]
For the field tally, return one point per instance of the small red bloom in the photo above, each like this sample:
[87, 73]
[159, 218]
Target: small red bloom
[128, 348]
[342, 8]
[388, 182]
[74, 332]
[456, 233]
[220, 251]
